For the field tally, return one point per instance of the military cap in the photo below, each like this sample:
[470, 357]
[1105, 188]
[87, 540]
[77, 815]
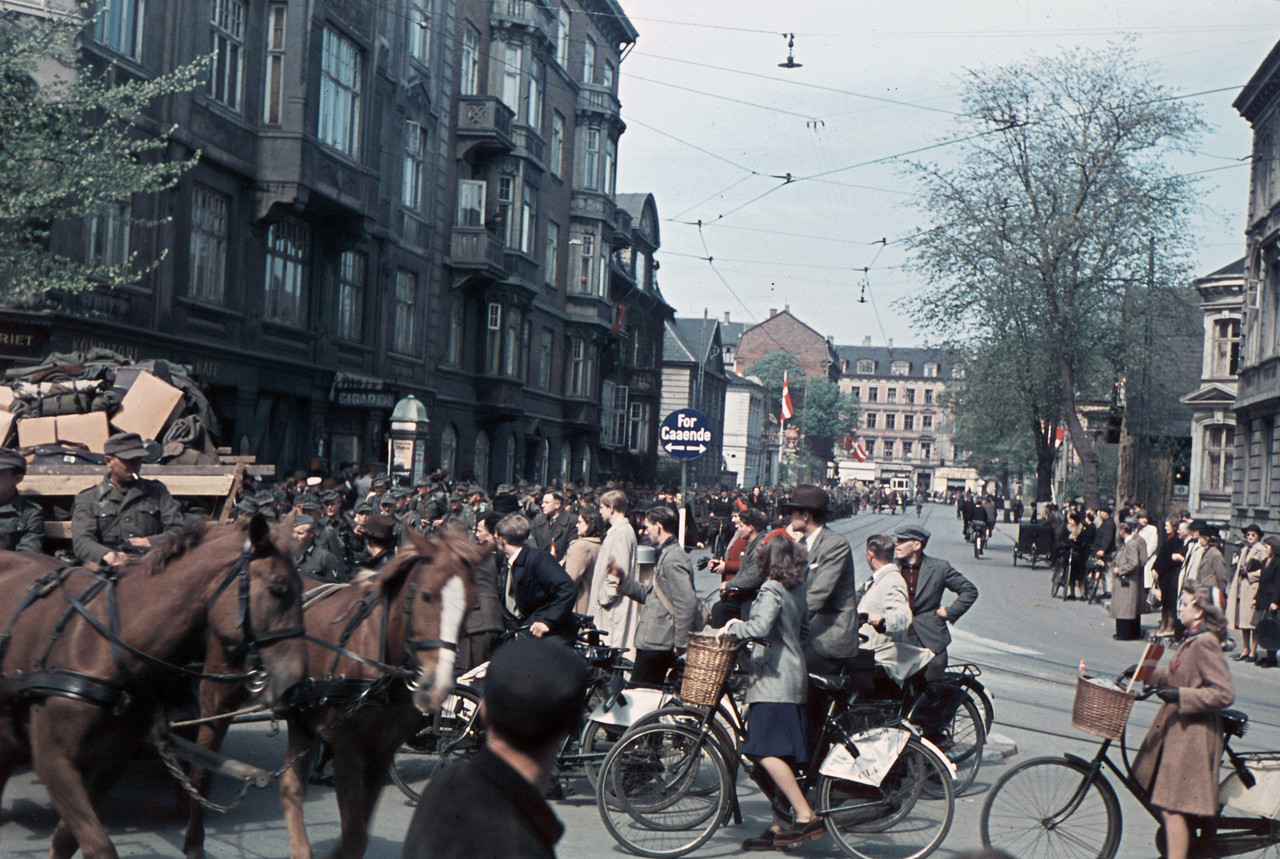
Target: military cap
[307, 502]
[912, 532]
[456, 496]
[11, 460]
[364, 507]
[329, 496]
[534, 689]
[380, 528]
[247, 506]
[423, 482]
[381, 480]
[125, 445]
[303, 519]
[387, 500]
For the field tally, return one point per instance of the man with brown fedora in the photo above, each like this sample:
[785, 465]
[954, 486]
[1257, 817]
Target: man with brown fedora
[831, 590]
[124, 514]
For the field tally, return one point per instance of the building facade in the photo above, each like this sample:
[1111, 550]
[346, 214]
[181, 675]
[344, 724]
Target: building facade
[784, 332]
[694, 377]
[746, 452]
[414, 197]
[1213, 422]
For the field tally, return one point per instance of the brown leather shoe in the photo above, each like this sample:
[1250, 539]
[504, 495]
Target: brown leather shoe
[762, 843]
[815, 828]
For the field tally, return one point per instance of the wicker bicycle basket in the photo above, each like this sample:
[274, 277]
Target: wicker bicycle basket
[706, 665]
[1101, 710]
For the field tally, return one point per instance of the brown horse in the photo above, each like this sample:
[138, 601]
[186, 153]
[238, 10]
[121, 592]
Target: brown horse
[395, 630]
[86, 663]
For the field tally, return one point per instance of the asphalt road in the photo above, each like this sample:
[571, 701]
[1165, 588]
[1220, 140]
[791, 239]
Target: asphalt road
[1028, 646]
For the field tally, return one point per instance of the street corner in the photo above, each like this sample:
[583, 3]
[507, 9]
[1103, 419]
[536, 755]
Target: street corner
[998, 747]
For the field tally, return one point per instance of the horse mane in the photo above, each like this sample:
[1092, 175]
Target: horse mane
[153, 562]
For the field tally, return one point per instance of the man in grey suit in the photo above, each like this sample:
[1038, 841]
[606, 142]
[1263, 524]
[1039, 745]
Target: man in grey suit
[927, 578]
[831, 590]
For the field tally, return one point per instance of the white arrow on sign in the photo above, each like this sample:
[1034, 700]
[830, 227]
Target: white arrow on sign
[700, 448]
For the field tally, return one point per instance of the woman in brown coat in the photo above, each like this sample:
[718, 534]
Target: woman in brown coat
[580, 558]
[1179, 758]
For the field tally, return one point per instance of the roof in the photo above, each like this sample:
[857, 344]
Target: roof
[731, 332]
[1234, 268]
[916, 356]
[1261, 88]
[634, 205]
[690, 340]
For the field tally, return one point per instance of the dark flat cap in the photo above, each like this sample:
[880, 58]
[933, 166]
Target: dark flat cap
[12, 460]
[534, 689]
[380, 528]
[330, 495]
[807, 496]
[125, 445]
[381, 480]
[363, 507]
[307, 502]
[912, 532]
[303, 519]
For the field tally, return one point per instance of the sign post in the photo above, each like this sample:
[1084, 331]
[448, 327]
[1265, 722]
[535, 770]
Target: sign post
[685, 434]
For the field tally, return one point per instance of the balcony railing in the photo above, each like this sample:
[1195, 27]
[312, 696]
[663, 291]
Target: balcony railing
[486, 120]
[595, 98]
[477, 248]
[524, 13]
[530, 144]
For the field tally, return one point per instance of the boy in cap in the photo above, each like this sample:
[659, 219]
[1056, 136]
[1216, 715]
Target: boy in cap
[21, 519]
[491, 805]
[124, 514]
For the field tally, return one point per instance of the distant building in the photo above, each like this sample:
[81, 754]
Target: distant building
[1213, 421]
[784, 332]
[746, 452]
[905, 428]
[694, 376]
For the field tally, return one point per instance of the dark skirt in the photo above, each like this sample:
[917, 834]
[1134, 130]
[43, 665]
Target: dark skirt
[777, 731]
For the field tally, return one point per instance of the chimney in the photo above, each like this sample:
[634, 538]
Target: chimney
[890, 342]
[773, 311]
[726, 317]
[866, 341]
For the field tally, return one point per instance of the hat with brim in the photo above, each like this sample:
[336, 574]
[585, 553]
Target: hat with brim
[1253, 529]
[125, 445]
[912, 532]
[379, 528]
[807, 496]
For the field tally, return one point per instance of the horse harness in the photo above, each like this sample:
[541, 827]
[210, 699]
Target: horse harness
[45, 682]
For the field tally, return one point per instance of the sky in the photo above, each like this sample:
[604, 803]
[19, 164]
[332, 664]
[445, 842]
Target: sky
[712, 122]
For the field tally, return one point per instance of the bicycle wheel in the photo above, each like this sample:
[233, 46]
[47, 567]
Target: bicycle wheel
[1092, 583]
[1038, 809]
[962, 741]
[597, 740]
[1058, 583]
[663, 790]
[721, 727]
[902, 818]
[978, 694]
[455, 733]
[1241, 834]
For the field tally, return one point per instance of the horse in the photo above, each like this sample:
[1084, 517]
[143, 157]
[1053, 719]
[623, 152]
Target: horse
[381, 652]
[87, 657]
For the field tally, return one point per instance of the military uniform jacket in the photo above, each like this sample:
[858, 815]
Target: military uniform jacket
[104, 518]
[21, 525]
[318, 561]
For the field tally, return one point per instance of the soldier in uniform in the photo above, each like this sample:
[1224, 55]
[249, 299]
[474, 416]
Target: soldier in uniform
[314, 558]
[124, 513]
[21, 519]
[334, 522]
[357, 550]
[382, 537]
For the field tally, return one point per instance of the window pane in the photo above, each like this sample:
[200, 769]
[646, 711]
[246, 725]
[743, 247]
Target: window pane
[208, 245]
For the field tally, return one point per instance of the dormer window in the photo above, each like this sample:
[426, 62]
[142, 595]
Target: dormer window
[900, 368]
[957, 372]
[866, 366]
[931, 370]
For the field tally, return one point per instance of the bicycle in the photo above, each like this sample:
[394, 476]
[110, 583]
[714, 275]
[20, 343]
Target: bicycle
[1066, 806]
[1060, 578]
[979, 529]
[1095, 574]
[966, 674]
[882, 789]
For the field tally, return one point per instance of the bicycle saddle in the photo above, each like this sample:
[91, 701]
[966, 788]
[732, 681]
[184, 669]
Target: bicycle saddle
[1234, 722]
[832, 684]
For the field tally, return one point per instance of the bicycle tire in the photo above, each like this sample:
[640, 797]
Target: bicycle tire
[978, 694]
[1018, 813]
[452, 734]
[1242, 834]
[721, 727]
[649, 791]
[899, 819]
[1058, 582]
[597, 740]
[963, 742]
[1092, 582]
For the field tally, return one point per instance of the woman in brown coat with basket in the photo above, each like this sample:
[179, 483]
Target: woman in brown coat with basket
[1179, 758]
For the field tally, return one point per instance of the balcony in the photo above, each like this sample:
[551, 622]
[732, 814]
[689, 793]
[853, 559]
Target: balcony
[530, 146]
[478, 250]
[644, 381]
[525, 15]
[598, 100]
[500, 397]
[484, 126]
[592, 204]
[581, 415]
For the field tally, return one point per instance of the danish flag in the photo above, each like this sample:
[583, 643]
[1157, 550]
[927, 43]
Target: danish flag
[787, 410]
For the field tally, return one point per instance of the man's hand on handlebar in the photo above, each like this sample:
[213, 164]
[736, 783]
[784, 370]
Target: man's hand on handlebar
[538, 629]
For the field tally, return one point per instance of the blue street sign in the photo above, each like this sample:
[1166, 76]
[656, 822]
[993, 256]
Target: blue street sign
[685, 434]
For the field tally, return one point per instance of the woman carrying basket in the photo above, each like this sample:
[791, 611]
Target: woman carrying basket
[1179, 758]
[776, 734]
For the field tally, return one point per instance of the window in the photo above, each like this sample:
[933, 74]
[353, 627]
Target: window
[620, 415]
[415, 156]
[588, 246]
[928, 396]
[581, 366]
[471, 194]
[514, 60]
[1219, 442]
[866, 366]
[906, 450]
[1226, 348]
[926, 450]
[591, 160]
[588, 61]
[511, 345]
[871, 420]
[957, 372]
[584, 463]
[608, 393]
[911, 394]
[404, 336]
[419, 35]
[888, 448]
[339, 93]
[557, 144]
[352, 266]
[274, 101]
[890, 421]
[931, 370]
[544, 359]
[533, 107]
[526, 340]
[227, 47]
[453, 342]
[550, 265]
[470, 73]
[873, 395]
[607, 80]
[900, 368]
[118, 26]
[610, 174]
[639, 436]
[506, 195]
[926, 422]
[891, 395]
[602, 285]
[908, 422]
[449, 449]
[870, 445]
[493, 339]
[208, 246]
[108, 235]
[509, 461]
[528, 219]
[562, 38]
[480, 462]
[287, 242]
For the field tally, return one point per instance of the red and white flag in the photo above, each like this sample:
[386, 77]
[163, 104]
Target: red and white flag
[1147, 665]
[787, 410]
[858, 451]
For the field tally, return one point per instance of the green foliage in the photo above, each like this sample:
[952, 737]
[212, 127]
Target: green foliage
[770, 370]
[1063, 201]
[827, 414]
[69, 145]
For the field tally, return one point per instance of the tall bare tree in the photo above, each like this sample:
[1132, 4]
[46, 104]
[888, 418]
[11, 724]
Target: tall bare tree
[1048, 219]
